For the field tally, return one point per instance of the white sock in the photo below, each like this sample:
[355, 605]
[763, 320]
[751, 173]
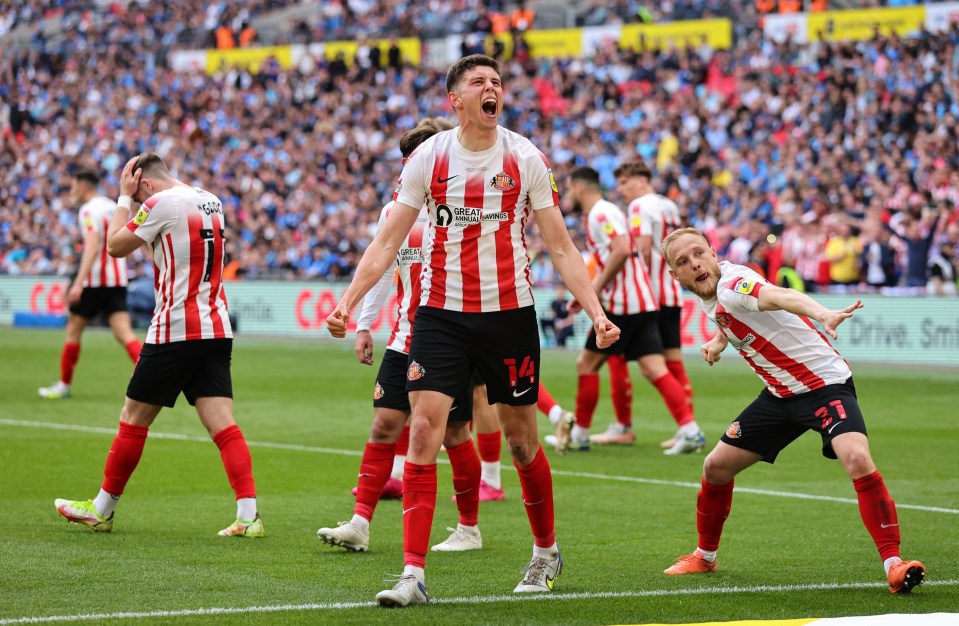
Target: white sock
[618, 428]
[708, 555]
[399, 461]
[246, 509]
[418, 572]
[105, 503]
[490, 474]
[555, 414]
[546, 553]
[580, 434]
[360, 523]
[689, 429]
[889, 563]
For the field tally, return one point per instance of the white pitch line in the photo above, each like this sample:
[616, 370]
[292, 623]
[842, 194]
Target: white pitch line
[556, 472]
[554, 597]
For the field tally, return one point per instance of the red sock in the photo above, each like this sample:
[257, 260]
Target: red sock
[236, 460]
[490, 445]
[678, 370]
[674, 397]
[403, 443]
[133, 349]
[537, 482]
[878, 513]
[466, 480]
[419, 501]
[124, 456]
[712, 509]
[587, 395]
[68, 361]
[545, 402]
[375, 470]
[621, 388]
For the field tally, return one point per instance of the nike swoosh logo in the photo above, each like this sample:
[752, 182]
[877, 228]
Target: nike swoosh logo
[459, 493]
[833, 426]
[549, 582]
[454, 407]
[364, 475]
[442, 180]
[531, 503]
[517, 393]
[405, 511]
[888, 525]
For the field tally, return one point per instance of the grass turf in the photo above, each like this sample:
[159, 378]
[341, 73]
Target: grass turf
[616, 535]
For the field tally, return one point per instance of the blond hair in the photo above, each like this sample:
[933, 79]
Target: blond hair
[671, 238]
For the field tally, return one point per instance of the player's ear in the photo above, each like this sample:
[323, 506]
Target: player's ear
[454, 99]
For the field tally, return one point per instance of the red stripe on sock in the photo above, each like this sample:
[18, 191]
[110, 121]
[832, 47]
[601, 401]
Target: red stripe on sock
[419, 502]
[124, 456]
[375, 468]
[621, 388]
[674, 397]
[236, 461]
[545, 402]
[712, 508]
[587, 395]
[490, 446]
[878, 511]
[68, 361]
[403, 443]
[466, 480]
[537, 482]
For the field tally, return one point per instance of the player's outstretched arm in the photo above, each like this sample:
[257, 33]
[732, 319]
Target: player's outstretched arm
[773, 298]
[569, 263]
[374, 263]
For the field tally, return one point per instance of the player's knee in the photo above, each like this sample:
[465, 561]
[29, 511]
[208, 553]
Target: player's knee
[522, 452]
[586, 363]
[858, 462]
[715, 471]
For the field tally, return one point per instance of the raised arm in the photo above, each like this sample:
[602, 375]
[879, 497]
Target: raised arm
[773, 298]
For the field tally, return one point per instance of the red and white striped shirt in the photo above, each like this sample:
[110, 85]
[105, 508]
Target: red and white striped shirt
[94, 217]
[656, 216]
[630, 292]
[409, 264]
[479, 204]
[185, 227]
[787, 351]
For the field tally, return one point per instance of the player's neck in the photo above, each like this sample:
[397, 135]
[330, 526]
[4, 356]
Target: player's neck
[591, 200]
[477, 139]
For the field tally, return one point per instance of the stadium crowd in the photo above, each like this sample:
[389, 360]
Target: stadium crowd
[835, 160]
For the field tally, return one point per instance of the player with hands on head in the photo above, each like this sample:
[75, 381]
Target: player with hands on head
[808, 386]
[190, 341]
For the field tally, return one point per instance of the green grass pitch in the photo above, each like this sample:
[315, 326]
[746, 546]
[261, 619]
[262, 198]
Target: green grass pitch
[622, 514]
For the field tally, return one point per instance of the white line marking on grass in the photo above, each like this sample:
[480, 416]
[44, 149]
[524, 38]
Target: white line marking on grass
[556, 472]
[553, 597]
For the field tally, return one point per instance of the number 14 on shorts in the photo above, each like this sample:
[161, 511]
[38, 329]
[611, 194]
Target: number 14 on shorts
[525, 370]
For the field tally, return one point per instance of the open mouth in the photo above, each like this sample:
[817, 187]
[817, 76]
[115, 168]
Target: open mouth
[489, 107]
[702, 277]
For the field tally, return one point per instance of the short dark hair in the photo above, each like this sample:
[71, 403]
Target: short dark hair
[427, 127]
[466, 64]
[587, 175]
[152, 166]
[634, 168]
[87, 175]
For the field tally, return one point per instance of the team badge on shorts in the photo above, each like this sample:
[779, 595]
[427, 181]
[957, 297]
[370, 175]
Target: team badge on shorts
[378, 391]
[415, 371]
[502, 182]
[734, 431]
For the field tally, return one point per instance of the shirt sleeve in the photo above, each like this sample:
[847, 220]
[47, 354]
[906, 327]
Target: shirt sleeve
[740, 295]
[634, 217]
[601, 229]
[541, 188]
[154, 217]
[646, 218]
[413, 187]
[88, 221]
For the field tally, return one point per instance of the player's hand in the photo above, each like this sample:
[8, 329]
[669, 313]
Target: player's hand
[130, 180]
[364, 347]
[338, 320]
[573, 306]
[607, 333]
[712, 350]
[74, 293]
[832, 319]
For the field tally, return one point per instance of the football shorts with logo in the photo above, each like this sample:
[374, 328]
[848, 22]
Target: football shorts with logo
[389, 390]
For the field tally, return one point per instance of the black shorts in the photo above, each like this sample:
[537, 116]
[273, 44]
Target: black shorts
[669, 321]
[503, 346]
[638, 336]
[199, 368]
[389, 392]
[770, 424]
[95, 300]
